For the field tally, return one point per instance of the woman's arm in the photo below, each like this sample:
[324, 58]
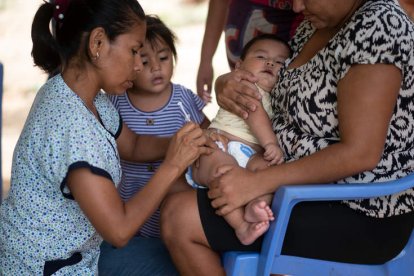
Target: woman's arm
[205, 123]
[216, 19]
[141, 148]
[144, 148]
[117, 221]
[366, 99]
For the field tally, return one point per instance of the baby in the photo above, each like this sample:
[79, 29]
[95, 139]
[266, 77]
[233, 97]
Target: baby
[252, 142]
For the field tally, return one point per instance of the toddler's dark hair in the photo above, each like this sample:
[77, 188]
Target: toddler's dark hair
[260, 37]
[72, 28]
[157, 30]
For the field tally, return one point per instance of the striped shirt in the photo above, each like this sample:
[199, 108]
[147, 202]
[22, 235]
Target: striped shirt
[163, 122]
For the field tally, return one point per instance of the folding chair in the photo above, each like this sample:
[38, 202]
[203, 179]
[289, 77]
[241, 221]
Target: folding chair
[271, 261]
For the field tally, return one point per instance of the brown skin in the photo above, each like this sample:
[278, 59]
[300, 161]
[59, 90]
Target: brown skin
[216, 19]
[408, 6]
[204, 261]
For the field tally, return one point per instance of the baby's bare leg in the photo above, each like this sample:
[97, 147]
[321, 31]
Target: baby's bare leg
[258, 209]
[205, 170]
[246, 232]
[257, 163]
[180, 185]
[204, 173]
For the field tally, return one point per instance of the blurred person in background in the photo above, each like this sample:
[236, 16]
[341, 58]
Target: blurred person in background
[241, 20]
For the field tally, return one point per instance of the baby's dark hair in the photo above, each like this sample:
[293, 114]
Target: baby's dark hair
[261, 37]
[157, 30]
[72, 28]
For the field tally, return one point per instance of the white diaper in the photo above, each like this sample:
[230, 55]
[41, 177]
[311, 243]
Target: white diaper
[241, 152]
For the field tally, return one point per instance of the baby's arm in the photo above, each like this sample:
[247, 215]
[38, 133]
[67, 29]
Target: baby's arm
[261, 127]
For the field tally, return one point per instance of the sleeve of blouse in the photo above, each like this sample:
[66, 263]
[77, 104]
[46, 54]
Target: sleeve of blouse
[81, 143]
[380, 34]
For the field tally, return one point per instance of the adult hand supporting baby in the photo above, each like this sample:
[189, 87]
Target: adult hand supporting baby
[237, 93]
[232, 188]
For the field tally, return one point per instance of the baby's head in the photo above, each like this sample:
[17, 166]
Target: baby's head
[158, 57]
[263, 56]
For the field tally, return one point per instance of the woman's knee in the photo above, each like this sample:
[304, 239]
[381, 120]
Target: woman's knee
[176, 212]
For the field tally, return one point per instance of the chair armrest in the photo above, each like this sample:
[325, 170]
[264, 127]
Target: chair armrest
[343, 191]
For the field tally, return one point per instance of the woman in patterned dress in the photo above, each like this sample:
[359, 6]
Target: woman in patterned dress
[343, 113]
[63, 199]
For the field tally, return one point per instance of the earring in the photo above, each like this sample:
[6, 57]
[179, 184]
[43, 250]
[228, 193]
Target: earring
[97, 56]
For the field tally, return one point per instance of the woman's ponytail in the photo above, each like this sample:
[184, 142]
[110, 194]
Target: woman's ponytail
[45, 51]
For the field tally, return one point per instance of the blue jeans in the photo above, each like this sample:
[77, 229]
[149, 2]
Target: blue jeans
[141, 256]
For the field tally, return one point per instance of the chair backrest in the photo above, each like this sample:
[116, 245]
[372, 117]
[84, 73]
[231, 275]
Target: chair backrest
[1, 125]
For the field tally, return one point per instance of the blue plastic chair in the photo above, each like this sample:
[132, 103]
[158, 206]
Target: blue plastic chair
[1, 120]
[271, 261]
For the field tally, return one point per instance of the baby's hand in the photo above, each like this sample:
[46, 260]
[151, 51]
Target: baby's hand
[273, 153]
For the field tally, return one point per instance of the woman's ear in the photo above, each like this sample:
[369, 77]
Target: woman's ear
[96, 41]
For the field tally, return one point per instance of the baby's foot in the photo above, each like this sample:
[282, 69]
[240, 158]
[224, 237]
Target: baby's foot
[249, 232]
[257, 210]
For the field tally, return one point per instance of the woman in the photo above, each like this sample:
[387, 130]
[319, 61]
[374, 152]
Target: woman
[63, 198]
[343, 113]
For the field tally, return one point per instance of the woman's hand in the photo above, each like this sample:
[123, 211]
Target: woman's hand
[237, 93]
[216, 136]
[204, 81]
[232, 188]
[187, 145]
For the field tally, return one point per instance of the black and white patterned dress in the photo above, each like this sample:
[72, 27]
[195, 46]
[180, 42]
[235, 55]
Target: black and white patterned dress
[305, 99]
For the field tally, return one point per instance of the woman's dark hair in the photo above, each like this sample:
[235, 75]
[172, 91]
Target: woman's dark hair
[157, 30]
[273, 37]
[51, 51]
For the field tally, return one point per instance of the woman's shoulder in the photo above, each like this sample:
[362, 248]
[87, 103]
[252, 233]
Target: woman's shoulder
[377, 28]
[382, 17]
[379, 32]
[54, 101]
